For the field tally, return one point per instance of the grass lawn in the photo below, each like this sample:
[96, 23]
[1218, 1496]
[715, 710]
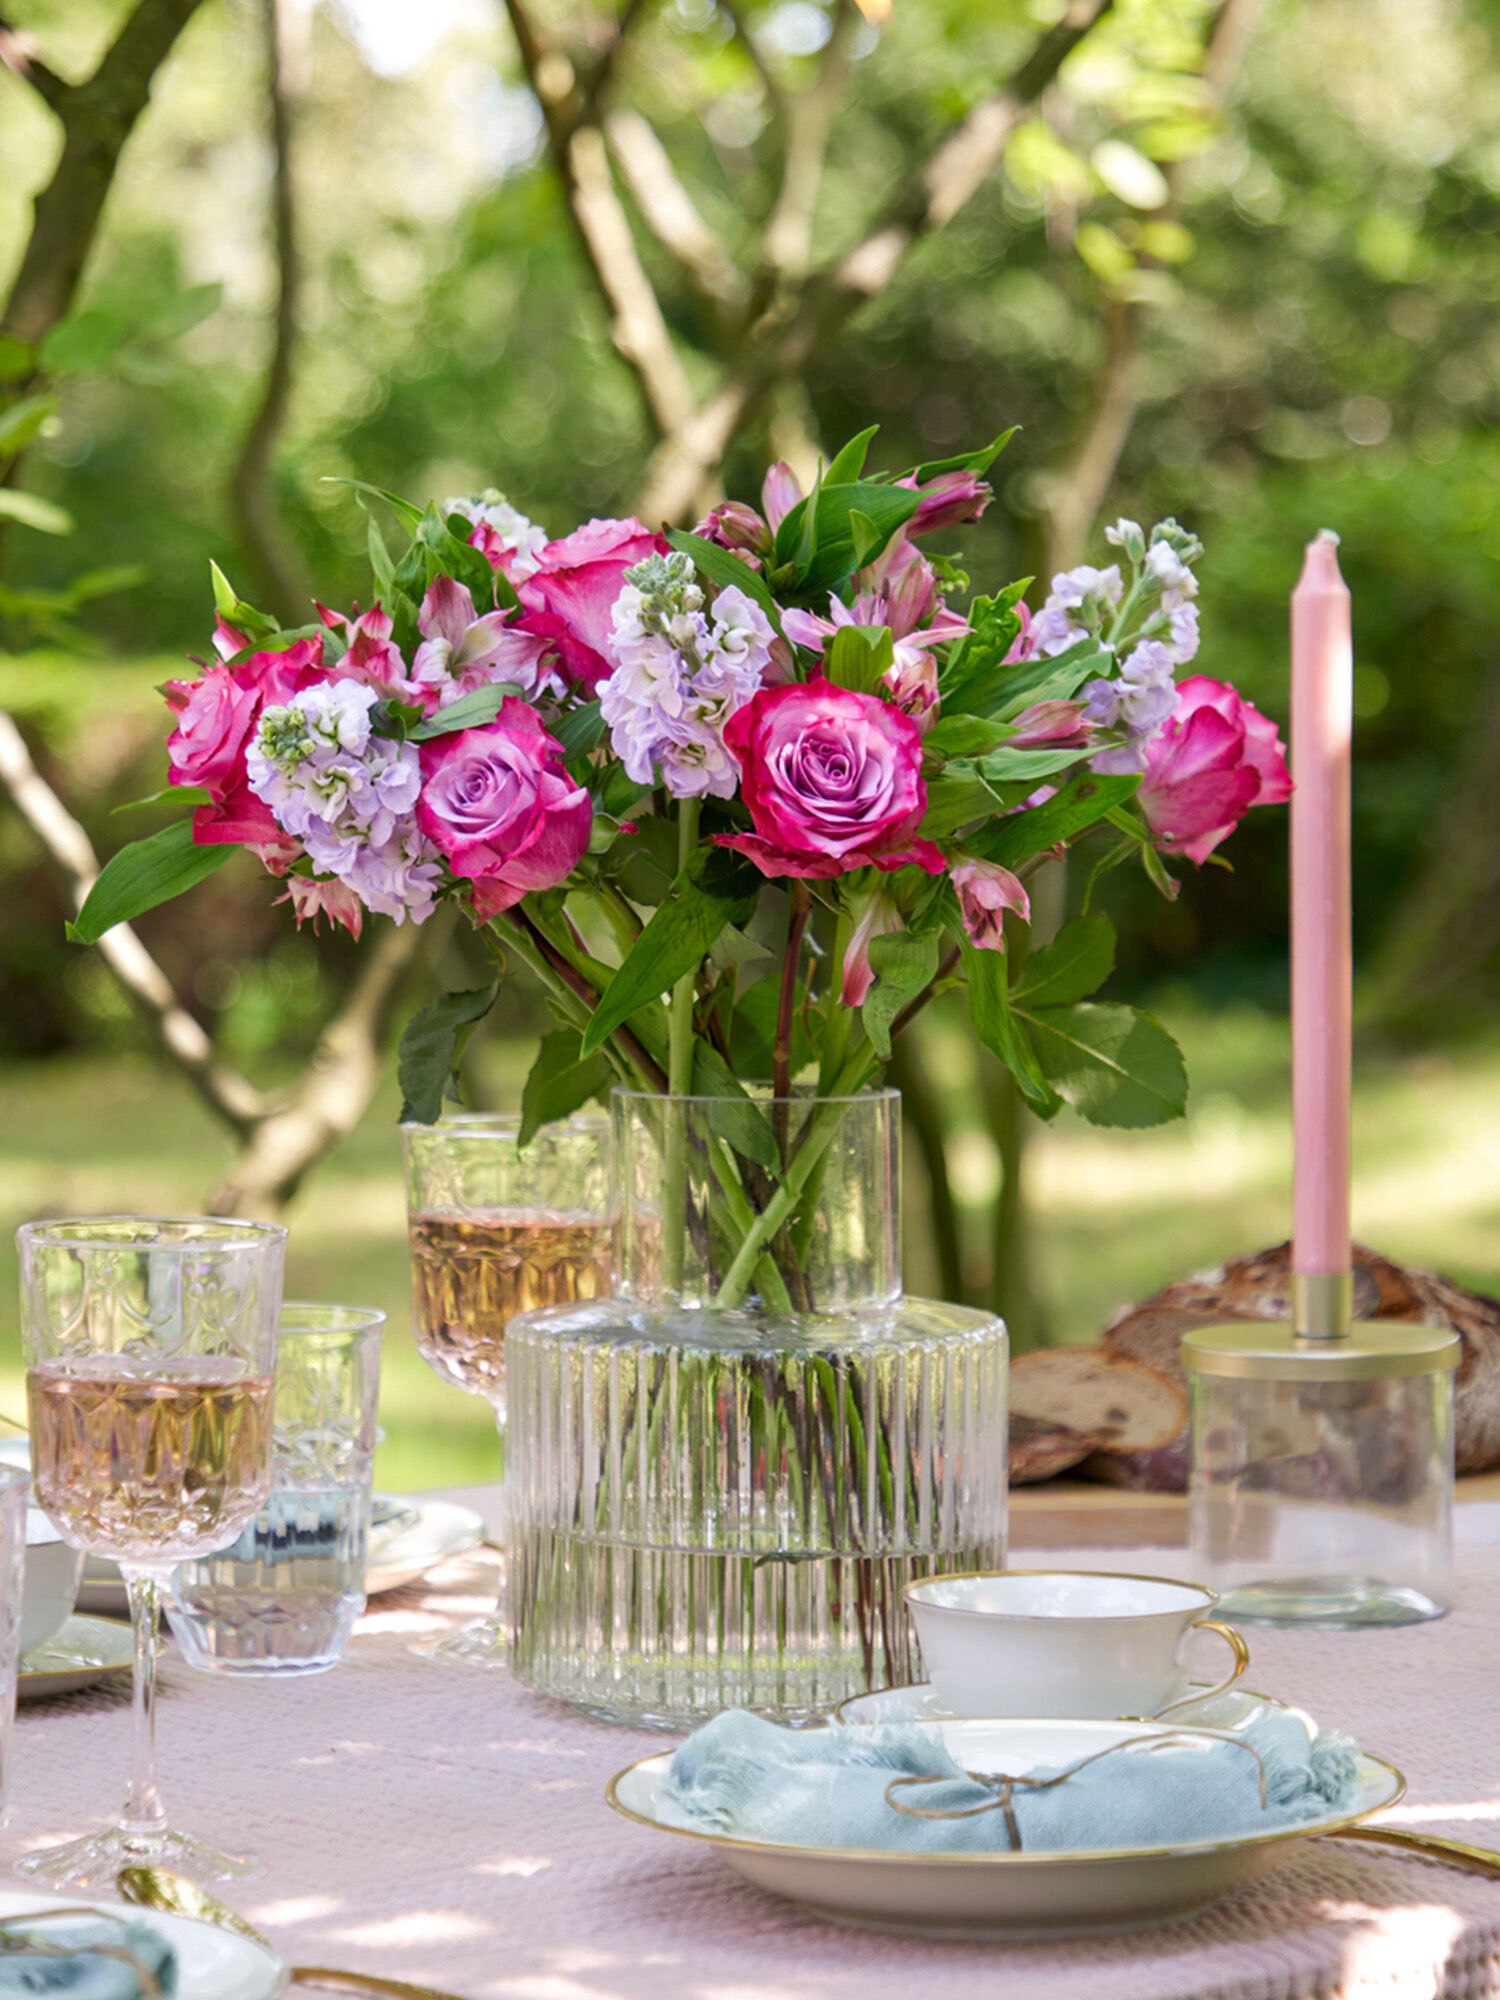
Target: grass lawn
[1116, 1213]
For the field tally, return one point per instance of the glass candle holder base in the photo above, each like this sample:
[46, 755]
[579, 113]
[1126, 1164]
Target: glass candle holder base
[484, 1643]
[1339, 1602]
[94, 1862]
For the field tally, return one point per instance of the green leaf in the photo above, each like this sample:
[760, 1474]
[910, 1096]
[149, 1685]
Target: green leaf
[146, 873]
[580, 730]
[1078, 806]
[866, 537]
[473, 710]
[817, 534]
[427, 1061]
[450, 556]
[735, 1116]
[560, 1083]
[84, 342]
[968, 461]
[182, 795]
[411, 517]
[903, 965]
[849, 463]
[677, 938]
[1112, 1064]
[724, 567]
[964, 736]
[1056, 680]
[1076, 963]
[644, 863]
[34, 512]
[382, 567]
[1009, 766]
[232, 608]
[103, 582]
[955, 802]
[857, 656]
[20, 423]
[16, 360]
[1003, 1034]
[182, 311]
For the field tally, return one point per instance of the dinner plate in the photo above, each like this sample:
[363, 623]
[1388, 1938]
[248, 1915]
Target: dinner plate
[408, 1537]
[1005, 1895]
[212, 1964]
[80, 1652]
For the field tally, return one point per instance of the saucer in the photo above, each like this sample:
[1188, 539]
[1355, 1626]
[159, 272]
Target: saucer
[79, 1653]
[1234, 1709]
[1000, 1894]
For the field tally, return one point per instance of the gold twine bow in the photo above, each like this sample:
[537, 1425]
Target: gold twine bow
[1004, 1783]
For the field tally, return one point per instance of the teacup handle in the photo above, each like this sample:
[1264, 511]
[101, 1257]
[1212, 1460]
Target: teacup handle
[1241, 1654]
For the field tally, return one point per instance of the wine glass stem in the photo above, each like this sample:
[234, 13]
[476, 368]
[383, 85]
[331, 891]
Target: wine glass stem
[143, 1813]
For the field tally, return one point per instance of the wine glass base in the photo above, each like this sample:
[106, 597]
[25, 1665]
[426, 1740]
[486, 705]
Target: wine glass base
[485, 1643]
[95, 1861]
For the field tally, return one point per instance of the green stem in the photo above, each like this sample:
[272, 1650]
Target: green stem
[570, 1005]
[623, 920]
[679, 1084]
[817, 1135]
[837, 1018]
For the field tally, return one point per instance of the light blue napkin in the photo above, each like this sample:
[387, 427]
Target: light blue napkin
[741, 1775]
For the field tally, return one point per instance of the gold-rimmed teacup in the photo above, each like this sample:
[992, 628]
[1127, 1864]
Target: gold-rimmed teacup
[1077, 1643]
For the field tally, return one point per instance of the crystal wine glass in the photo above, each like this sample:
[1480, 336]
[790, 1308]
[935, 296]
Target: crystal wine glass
[497, 1229]
[151, 1353]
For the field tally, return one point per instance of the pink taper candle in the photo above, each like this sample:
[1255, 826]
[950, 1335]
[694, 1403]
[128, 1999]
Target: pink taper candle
[1322, 716]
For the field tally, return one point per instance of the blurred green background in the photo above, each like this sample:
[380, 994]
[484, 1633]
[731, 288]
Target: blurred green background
[1268, 231]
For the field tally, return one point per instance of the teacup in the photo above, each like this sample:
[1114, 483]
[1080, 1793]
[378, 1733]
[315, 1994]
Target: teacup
[1056, 1642]
[53, 1569]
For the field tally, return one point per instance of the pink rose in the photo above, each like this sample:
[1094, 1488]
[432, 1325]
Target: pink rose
[1215, 758]
[499, 804]
[985, 892]
[216, 716]
[833, 781]
[571, 594]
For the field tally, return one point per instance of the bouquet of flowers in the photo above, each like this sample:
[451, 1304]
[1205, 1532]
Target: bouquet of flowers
[743, 799]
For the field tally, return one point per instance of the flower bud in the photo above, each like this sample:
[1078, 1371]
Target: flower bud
[985, 892]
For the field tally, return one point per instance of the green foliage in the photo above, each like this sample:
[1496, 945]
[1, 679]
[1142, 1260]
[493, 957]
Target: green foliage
[432, 1046]
[560, 1082]
[139, 877]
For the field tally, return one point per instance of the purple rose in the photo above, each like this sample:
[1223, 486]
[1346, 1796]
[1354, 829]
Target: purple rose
[569, 597]
[499, 804]
[833, 781]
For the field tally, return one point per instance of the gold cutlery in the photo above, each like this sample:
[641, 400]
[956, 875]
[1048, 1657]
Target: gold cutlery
[1426, 1846]
[162, 1889]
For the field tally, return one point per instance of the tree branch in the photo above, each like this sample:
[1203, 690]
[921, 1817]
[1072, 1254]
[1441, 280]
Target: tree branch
[807, 313]
[638, 328]
[18, 55]
[333, 1091]
[68, 847]
[602, 75]
[668, 210]
[252, 499]
[97, 118]
[786, 244]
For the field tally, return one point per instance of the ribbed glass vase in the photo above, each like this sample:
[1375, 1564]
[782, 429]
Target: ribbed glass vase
[719, 1481]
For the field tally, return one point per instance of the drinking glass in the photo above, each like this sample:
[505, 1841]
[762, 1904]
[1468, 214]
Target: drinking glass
[497, 1229]
[283, 1598]
[151, 1352]
[15, 1485]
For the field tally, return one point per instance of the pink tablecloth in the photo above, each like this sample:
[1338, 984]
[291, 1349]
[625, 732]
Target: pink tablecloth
[445, 1825]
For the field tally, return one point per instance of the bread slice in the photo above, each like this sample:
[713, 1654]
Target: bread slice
[1040, 1449]
[1124, 1405]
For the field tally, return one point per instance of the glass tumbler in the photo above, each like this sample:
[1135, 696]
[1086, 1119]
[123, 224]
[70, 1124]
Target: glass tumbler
[497, 1228]
[284, 1597]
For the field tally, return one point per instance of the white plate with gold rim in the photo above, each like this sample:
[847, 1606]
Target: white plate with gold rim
[212, 1964]
[80, 1652]
[1005, 1895]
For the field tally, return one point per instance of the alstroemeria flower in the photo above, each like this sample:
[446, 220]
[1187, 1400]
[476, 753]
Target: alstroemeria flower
[985, 892]
[461, 651]
[313, 896]
[878, 918]
[1215, 758]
